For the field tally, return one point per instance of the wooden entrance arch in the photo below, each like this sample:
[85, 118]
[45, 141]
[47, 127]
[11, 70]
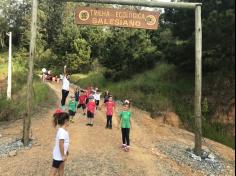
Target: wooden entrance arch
[142, 3]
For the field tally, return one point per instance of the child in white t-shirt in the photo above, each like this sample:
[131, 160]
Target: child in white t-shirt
[60, 152]
[97, 97]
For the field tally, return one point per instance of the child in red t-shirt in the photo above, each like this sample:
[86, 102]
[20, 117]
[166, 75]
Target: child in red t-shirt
[82, 102]
[91, 106]
[110, 106]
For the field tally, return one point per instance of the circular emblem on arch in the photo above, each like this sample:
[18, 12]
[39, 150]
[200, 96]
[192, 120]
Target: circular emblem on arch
[151, 20]
[84, 15]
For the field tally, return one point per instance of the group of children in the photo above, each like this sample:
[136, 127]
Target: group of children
[86, 99]
[89, 100]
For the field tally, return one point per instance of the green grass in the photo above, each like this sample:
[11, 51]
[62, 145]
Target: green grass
[76, 77]
[3, 68]
[162, 89]
[153, 90]
[3, 64]
[16, 108]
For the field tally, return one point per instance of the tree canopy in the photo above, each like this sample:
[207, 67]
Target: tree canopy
[123, 52]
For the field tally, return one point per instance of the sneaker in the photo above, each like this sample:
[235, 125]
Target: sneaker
[87, 124]
[123, 146]
[63, 108]
[126, 148]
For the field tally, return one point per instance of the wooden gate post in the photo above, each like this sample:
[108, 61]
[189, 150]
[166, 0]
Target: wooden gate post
[198, 81]
[27, 118]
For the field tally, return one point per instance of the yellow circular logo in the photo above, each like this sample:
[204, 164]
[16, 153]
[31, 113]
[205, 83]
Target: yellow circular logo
[151, 20]
[84, 15]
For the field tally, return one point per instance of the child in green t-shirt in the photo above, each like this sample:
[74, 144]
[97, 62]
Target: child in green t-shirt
[125, 124]
[72, 107]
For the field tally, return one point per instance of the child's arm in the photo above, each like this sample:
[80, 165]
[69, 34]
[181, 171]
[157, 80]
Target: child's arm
[65, 70]
[61, 146]
[131, 124]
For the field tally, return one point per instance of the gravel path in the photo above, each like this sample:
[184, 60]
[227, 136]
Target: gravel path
[179, 153]
[96, 151]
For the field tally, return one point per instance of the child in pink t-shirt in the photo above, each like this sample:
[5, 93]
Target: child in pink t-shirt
[91, 106]
[110, 106]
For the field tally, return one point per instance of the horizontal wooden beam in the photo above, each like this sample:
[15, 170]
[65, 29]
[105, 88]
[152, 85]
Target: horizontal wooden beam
[143, 3]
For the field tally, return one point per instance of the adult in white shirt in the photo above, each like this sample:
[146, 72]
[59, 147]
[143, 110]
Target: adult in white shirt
[65, 88]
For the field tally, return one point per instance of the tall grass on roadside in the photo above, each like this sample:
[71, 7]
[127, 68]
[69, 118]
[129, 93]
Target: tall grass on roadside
[153, 91]
[16, 108]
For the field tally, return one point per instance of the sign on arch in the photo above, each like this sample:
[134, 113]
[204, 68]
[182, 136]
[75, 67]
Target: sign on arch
[117, 17]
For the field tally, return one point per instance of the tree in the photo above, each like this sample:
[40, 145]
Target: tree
[127, 52]
[218, 23]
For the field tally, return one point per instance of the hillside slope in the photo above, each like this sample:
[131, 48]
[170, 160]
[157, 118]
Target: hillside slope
[167, 89]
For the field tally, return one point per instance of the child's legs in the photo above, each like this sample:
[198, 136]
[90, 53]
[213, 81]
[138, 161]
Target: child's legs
[84, 108]
[107, 121]
[127, 136]
[53, 171]
[61, 169]
[123, 135]
[91, 120]
[64, 96]
[110, 121]
[72, 118]
[71, 114]
[55, 167]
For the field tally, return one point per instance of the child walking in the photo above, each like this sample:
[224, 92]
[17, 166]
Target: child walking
[60, 152]
[91, 106]
[106, 96]
[125, 124]
[82, 101]
[110, 105]
[97, 97]
[77, 94]
[72, 108]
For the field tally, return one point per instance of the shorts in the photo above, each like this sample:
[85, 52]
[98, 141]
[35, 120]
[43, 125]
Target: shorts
[56, 164]
[97, 102]
[90, 114]
[71, 113]
[109, 116]
[81, 105]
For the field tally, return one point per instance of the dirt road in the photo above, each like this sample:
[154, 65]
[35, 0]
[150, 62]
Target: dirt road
[96, 150]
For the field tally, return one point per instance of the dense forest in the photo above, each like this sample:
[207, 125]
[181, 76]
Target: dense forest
[120, 53]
